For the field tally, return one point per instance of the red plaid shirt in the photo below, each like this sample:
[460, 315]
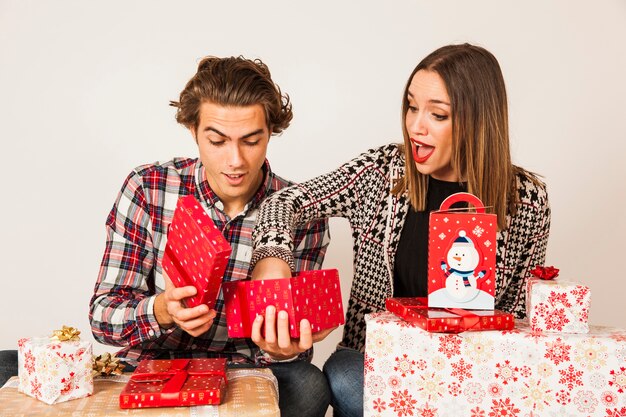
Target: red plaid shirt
[122, 307]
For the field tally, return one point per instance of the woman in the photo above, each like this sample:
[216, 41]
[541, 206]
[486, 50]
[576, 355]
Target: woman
[455, 139]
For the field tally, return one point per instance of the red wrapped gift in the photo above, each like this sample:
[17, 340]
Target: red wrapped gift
[448, 320]
[175, 382]
[462, 255]
[196, 252]
[312, 295]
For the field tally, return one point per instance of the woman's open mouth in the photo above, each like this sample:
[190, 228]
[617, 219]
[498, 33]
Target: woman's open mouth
[421, 151]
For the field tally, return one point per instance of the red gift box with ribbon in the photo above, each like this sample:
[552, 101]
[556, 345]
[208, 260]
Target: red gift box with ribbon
[196, 252]
[312, 295]
[448, 320]
[175, 382]
[462, 255]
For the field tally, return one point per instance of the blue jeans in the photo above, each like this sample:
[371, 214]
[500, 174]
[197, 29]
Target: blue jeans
[344, 370]
[302, 389]
[8, 365]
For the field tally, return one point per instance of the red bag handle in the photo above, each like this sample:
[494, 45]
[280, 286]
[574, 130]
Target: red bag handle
[463, 197]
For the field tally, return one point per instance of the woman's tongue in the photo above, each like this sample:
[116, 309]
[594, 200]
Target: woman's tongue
[424, 150]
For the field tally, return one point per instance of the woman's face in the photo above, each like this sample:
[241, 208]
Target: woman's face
[429, 125]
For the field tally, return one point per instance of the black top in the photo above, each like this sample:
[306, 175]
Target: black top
[411, 266]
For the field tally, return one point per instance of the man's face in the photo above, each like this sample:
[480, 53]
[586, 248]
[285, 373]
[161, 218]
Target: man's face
[233, 143]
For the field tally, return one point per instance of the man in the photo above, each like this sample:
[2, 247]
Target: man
[231, 107]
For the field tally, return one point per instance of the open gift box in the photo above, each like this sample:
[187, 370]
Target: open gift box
[312, 295]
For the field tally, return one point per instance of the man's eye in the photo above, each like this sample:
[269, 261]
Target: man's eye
[251, 143]
[216, 142]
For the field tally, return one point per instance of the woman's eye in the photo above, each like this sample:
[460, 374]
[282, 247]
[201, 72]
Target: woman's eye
[440, 117]
[412, 109]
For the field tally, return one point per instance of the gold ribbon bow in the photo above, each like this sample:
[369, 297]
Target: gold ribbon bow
[106, 364]
[66, 334]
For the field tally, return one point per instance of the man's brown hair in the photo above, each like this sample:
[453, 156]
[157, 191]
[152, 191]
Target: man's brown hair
[233, 81]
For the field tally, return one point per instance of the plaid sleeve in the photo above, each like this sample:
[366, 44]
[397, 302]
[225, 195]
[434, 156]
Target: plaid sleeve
[121, 311]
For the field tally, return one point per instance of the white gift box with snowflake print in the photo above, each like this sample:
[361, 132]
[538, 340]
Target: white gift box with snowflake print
[411, 372]
[54, 371]
[557, 306]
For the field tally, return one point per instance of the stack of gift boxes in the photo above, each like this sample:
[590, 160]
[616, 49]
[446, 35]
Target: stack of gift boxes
[426, 361]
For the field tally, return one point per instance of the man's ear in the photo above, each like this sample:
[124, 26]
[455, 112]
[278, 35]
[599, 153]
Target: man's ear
[194, 133]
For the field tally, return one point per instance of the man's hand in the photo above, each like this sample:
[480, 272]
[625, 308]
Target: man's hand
[169, 310]
[277, 341]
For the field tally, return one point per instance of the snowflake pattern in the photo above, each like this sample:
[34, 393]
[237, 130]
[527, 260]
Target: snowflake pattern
[609, 398]
[585, 402]
[478, 231]
[557, 351]
[503, 408]
[450, 345]
[427, 411]
[474, 392]
[379, 405]
[462, 370]
[404, 365]
[55, 372]
[618, 379]
[521, 373]
[571, 377]
[402, 403]
[536, 394]
[506, 372]
[454, 389]
[615, 412]
[590, 354]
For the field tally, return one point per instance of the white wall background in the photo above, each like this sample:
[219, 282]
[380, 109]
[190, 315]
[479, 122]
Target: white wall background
[84, 91]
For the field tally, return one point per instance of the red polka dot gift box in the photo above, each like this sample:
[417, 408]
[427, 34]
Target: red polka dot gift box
[312, 295]
[196, 252]
[447, 320]
[462, 255]
[175, 382]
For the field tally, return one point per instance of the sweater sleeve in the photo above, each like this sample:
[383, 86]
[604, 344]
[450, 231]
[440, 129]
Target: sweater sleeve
[525, 245]
[339, 193]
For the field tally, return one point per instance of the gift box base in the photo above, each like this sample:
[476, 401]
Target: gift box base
[518, 372]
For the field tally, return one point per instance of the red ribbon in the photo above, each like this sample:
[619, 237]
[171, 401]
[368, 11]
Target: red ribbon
[174, 379]
[468, 319]
[545, 272]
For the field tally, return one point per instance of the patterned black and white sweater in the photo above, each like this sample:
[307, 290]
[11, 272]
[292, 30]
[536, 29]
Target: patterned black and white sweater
[360, 191]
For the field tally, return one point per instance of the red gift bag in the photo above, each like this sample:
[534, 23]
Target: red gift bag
[462, 255]
[196, 252]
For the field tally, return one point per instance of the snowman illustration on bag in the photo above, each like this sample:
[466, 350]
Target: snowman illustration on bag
[460, 269]
[461, 255]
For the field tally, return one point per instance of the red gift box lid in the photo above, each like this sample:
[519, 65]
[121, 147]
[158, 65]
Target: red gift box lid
[175, 382]
[196, 252]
